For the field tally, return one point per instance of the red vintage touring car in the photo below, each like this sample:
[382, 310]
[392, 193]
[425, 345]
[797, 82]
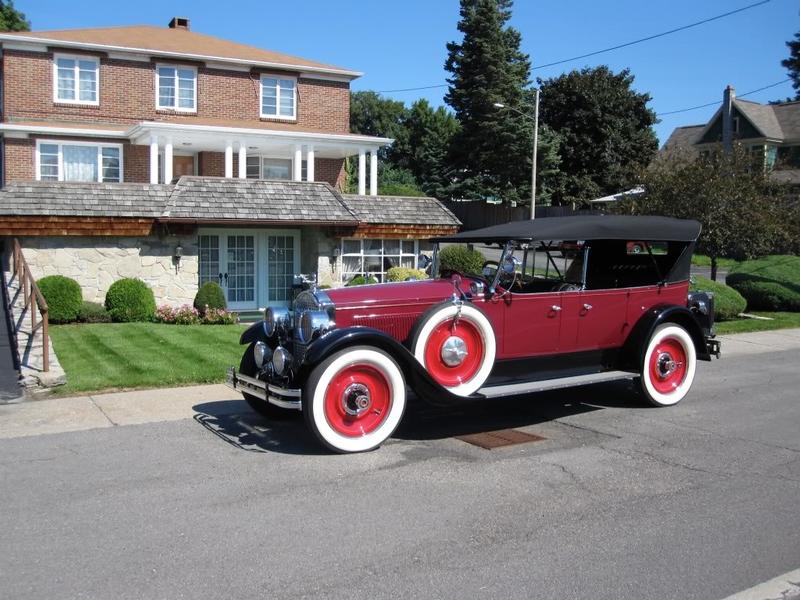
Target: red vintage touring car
[557, 302]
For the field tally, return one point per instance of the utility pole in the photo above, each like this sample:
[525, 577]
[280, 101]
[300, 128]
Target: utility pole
[535, 143]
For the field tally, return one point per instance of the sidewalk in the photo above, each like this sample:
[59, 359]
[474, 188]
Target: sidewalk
[78, 413]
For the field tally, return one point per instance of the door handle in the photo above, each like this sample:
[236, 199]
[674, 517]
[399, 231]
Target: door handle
[555, 308]
[220, 279]
[587, 307]
[226, 279]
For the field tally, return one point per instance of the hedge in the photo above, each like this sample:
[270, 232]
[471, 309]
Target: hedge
[130, 300]
[461, 259]
[361, 280]
[404, 273]
[93, 312]
[728, 303]
[63, 297]
[770, 283]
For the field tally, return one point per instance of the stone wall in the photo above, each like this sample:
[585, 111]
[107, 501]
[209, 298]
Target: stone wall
[97, 262]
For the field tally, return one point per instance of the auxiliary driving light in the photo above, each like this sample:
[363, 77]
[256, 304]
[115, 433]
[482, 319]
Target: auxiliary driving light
[281, 360]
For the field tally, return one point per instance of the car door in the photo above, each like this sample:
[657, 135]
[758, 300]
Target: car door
[531, 324]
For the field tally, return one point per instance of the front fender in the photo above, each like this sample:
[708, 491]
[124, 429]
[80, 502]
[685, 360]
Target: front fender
[424, 386]
[254, 333]
[636, 344]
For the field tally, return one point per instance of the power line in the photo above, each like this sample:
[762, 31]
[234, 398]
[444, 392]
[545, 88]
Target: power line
[716, 102]
[596, 52]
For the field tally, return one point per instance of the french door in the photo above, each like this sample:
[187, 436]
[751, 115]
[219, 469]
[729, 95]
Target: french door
[254, 268]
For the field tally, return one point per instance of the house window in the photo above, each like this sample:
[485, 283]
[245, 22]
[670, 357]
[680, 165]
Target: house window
[176, 88]
[264, 167]
[76, 79]
[374, 257]
[76, 161]
[278, 97]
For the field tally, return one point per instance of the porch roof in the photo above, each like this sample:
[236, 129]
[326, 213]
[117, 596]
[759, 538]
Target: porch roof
[402, 210]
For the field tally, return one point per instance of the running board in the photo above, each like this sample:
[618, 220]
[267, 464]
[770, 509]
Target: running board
[514, 389]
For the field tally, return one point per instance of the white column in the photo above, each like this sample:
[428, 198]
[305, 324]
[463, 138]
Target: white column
[242, 160]
[362, 172]
[310, 163]
[168, 161]
[228, 159]
[297, 164]
[153, 159]
[373, 173]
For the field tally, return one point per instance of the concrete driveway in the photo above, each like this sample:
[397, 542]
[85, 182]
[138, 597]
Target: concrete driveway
[617, 501]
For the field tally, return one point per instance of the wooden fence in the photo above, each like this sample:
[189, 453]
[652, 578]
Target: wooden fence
[475, 215]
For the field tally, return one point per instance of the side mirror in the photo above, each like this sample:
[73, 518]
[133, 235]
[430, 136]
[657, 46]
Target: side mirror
[510, 264]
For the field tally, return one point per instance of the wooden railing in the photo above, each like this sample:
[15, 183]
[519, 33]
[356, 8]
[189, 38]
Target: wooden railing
[33, 301]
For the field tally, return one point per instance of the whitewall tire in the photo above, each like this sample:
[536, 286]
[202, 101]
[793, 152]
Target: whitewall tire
[459, 355]
[669, 365]
[354, 400]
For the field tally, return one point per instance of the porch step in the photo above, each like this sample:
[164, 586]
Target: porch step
[250, 316]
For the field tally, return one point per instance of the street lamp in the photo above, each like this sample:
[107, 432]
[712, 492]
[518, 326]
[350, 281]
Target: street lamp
[535, 144]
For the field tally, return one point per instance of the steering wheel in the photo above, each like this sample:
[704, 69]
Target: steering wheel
[567, 287]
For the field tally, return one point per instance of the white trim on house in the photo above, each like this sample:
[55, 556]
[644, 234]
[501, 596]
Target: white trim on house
[176, 98]
[78, 58]
[20, 40]
[62, 143]
[278, 94]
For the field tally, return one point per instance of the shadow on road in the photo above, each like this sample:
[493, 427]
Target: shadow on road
[236, 424]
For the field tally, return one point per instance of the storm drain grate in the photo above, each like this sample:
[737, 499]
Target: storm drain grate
[498, 439]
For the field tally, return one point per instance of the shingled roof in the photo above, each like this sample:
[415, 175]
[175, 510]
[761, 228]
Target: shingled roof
[73, 199]
[172, 42]
[401, 210]
[220, 200]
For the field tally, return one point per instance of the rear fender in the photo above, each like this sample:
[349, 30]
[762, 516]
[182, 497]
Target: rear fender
[636, 344]
[418, 379]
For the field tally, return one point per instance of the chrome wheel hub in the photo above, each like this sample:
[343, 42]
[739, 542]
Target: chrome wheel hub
[356, 399]
[454, 351]
[666, 365]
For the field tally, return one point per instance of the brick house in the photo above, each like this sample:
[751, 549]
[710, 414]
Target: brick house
[180, 158]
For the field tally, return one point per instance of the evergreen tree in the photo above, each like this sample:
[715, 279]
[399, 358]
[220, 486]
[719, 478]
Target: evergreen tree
[487, 67]
[792, 63]
[605, 129]
[11, 19]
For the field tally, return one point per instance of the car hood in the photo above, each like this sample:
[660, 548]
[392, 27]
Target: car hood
[391, 294]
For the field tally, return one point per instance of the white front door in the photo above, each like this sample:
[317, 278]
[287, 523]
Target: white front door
[254, 268]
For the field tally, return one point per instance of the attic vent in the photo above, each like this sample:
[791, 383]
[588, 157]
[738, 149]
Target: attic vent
[179, 23]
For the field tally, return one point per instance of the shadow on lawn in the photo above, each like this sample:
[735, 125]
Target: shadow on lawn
[236, 424]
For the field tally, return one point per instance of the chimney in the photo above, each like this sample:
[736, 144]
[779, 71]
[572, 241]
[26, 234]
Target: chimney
[179, 23]
[728, 96]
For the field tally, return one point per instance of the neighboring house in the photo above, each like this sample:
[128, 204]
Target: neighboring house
[181, 158]
[771, 131]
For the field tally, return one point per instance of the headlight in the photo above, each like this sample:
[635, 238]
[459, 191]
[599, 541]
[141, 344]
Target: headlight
[260, 351]
[275, 319]
[281, 360]
[314, 322]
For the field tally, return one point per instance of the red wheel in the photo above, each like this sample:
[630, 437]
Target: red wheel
[669, 365]
[456, 345]
[353, 401]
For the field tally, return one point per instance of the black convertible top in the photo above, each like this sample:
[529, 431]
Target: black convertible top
[594, 227]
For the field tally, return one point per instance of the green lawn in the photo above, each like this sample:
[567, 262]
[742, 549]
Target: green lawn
[701, 260]
[141, 355]
[780, 320]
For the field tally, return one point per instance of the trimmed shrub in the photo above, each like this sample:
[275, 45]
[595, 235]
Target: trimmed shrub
[461, 259]
[93, 312]
[361, 280]
[769, 283]
[63, 297]
[130, 300]
[404, 273]
[727, 301]
[210, 295]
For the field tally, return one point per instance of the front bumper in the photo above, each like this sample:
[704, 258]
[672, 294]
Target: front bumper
[274, 394]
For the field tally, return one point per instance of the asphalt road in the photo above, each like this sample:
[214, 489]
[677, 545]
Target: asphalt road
[620, 501]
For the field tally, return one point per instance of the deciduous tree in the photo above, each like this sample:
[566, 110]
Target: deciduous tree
[11, 19]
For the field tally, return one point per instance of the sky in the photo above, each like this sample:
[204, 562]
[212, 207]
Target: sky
[402, 44]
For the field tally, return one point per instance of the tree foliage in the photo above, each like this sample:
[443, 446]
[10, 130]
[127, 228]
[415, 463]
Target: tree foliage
[740, 210]
[792, 64]
[11, 19]
[487, 67]
[605, 131]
